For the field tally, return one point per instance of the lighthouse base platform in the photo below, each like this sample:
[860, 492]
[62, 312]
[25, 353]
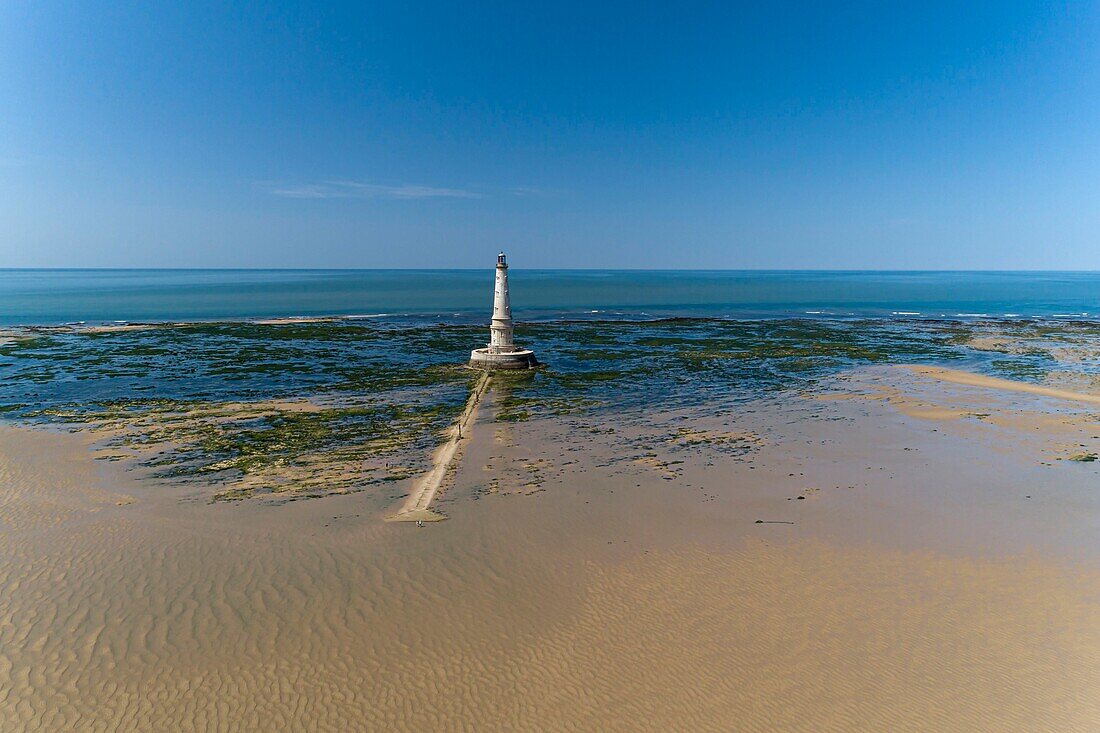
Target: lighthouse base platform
[486, 359]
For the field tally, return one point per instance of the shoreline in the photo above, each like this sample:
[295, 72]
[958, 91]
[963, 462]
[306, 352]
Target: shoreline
[970, 379]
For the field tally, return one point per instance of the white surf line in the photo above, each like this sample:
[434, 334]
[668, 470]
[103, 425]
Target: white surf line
[416, 506]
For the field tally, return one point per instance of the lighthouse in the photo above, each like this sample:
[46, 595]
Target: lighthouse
[502, 353]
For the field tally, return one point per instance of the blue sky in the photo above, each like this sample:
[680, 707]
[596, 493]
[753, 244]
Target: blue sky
[695, 135]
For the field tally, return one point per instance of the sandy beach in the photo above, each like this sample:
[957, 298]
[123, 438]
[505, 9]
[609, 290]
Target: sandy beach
[799, 563]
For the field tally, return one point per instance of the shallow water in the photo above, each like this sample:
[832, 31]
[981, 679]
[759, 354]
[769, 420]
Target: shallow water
[34, 297]
[618, 360]
[219, 399]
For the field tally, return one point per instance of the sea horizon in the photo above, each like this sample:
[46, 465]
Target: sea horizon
[56, 296]
[561, 269]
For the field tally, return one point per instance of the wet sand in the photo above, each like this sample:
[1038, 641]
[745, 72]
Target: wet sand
[1006, 385]
[595, 573]
[417, 506]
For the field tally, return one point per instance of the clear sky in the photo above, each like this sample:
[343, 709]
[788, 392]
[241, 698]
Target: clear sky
[573, 134]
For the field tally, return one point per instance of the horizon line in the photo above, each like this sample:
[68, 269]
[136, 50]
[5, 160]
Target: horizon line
[542, 269]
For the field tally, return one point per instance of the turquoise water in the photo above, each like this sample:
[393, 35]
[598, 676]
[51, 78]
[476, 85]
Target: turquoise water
[43, 297]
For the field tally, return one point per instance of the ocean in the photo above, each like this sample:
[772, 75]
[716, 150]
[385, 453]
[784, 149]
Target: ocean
[52, 297]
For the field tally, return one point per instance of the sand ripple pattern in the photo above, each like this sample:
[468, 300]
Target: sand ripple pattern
[189, 632]
[190, 618]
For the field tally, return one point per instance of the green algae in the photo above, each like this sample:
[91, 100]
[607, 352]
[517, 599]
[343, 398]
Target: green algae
[202, 402]
[279, 438]
[262, 442]
[21, 345]
[1021, 370]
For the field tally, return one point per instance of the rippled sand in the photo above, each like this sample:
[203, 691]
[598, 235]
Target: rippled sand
[576, 586]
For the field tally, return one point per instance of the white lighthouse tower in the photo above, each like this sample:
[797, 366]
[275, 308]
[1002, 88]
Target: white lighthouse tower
[501, 353]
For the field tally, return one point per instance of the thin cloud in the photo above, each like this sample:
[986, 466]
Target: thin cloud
[360, 190]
